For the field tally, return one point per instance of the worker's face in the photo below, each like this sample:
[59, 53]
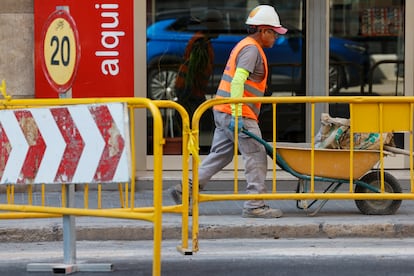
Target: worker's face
[269, 37]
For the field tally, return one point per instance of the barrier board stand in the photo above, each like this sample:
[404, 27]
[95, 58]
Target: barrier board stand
[69, 247]
[85, 123]
[69, 236]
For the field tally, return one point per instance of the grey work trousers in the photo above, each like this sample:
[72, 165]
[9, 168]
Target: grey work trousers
[222, 152]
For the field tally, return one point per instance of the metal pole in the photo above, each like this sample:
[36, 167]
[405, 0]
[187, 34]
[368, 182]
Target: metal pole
[69, 228]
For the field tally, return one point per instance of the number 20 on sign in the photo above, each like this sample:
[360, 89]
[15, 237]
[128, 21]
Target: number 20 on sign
[61, 50]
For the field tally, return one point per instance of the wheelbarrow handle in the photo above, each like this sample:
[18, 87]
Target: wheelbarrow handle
[398, 150]
[268, 147]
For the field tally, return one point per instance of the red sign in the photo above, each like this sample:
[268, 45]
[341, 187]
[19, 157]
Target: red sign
[105, 30]
[66, 144]
[60, 50]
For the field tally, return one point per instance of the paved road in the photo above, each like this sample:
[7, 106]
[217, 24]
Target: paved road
[226, 257]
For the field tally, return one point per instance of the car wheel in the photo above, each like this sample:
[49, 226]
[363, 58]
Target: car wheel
[161, 82]
[336, 78]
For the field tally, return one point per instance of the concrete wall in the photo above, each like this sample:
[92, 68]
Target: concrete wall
[16, 47]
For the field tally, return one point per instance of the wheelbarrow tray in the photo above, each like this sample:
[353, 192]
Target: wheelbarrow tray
[328, 163]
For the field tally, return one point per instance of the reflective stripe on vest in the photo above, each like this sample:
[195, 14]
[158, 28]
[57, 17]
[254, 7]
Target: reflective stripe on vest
[251, 89]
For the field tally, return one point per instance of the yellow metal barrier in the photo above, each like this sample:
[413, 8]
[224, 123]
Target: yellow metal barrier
[187, 148]
[367, 114]
[127, 204]
[3, 90]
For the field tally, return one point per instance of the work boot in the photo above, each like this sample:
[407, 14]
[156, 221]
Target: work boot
[177, 195]
[261, 212]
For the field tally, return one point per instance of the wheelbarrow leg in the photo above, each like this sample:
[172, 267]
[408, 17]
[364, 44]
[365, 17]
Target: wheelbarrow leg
[302, 187]
[317, 209]
[303, 203]
[325, 200]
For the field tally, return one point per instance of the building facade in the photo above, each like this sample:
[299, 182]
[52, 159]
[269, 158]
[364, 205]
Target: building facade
[378, 24]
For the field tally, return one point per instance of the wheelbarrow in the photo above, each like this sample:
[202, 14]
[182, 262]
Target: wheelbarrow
[332, 166]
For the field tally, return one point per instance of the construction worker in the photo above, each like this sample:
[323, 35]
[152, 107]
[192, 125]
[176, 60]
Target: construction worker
[245, 75]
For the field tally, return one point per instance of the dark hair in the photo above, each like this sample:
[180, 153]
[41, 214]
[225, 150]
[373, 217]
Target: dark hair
[251, 29]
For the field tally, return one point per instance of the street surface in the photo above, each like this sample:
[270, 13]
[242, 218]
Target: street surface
[354, 256]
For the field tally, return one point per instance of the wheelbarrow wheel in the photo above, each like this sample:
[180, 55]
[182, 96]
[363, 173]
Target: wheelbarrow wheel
[378, 207]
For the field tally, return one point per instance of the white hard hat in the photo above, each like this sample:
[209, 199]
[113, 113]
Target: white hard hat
[265, 15]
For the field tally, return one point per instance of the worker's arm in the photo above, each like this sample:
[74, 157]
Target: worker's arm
[236, 91]
[237, 88]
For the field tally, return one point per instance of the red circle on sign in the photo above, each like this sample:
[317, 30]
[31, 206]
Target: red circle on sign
[60, 50]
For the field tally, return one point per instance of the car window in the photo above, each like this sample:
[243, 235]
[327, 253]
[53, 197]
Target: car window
[231, 22]
[186, 24]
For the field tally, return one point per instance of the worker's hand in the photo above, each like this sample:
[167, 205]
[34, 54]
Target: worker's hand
[233, 123]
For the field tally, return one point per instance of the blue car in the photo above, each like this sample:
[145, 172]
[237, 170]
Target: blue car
[167, 39]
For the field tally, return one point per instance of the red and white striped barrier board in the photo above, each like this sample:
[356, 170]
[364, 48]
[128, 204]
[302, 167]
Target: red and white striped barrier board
[65, 144]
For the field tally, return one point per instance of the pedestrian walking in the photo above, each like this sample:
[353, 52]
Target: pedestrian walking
[194, 73]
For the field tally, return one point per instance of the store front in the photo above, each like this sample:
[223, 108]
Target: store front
[364, 51]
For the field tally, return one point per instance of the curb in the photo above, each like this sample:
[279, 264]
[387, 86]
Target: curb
[54, 232]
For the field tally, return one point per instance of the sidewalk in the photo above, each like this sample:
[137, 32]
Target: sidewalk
[218, 220]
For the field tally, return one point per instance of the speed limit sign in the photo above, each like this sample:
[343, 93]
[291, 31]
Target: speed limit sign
[61, 50]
